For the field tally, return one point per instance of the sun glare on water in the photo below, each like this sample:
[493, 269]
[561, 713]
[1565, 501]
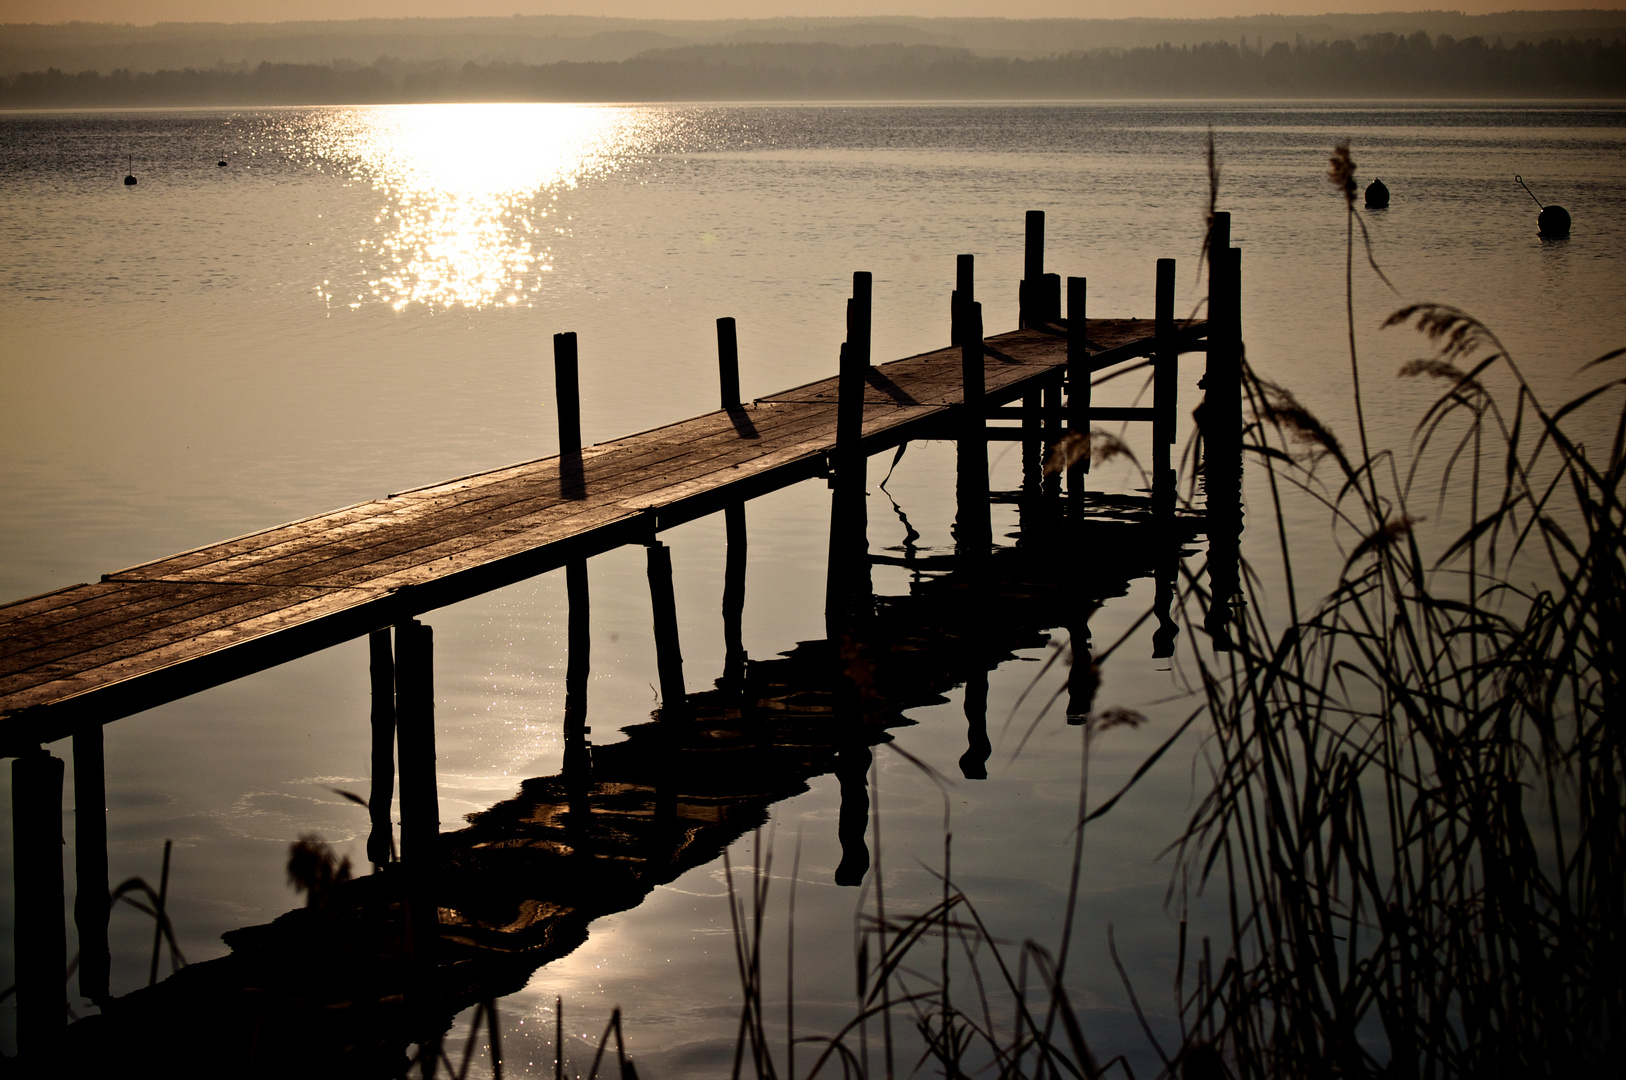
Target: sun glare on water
[472, 191]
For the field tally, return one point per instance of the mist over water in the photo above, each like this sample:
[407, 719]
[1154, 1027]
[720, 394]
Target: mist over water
[362, 300]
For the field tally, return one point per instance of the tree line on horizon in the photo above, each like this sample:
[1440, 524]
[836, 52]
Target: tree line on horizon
[1374, 65]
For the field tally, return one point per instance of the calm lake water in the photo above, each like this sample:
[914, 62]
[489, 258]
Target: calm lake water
[362, 300]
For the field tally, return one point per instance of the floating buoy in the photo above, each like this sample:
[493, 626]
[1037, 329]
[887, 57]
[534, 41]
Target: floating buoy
[129, 177]
[222, 164]
[1553, 223]
[1377, 195]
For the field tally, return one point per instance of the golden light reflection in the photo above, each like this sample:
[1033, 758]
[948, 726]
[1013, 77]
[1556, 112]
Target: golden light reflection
[470, 191]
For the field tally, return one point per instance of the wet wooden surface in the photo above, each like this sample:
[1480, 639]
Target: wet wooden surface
[154, 632]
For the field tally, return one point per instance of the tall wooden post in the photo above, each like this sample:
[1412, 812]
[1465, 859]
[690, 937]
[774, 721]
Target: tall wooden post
[964, 295]
[668, 656]
[40, 938]
[567, 393]
[728, 363]
[1033, 270]
[973, 533]
[1165, 391]
[381, 671]
[91, 891]
[1079, 376]
[1222, 428]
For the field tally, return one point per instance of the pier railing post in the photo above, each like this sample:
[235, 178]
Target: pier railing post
[90, 883]
[964, 295]
[728, 363]
[40, 937]
[1032, 269]
[567, 392]
[1079, 377]
[1165, 391]
[381, 672]
[668, 656]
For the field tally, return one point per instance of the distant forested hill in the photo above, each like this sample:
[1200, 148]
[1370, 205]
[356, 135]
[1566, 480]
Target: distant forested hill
[1376, 64]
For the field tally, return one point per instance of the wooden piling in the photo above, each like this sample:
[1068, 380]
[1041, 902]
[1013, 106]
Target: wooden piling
[972, 530]
[734, 656]
[1032, 270]
[415, 737]
[381, 671]
[728, 363]
[1078, 382]
[668, 656]
[40, 938]
[1222, 429]
[1165, 390]
[964, 295]
[567, 394]
[90, 881]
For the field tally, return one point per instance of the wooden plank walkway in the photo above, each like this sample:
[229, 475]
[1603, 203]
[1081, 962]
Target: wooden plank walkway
[162, 630]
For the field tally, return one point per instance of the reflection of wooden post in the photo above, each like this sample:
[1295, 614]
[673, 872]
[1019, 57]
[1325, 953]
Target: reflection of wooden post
[972, 531]
[578, 756]
[852, 824]
[90, 888]
[734, 657]
[974, 762]
[728, 363]
[567, 391]
[1165, 390]
[1051, 432]
[381, 669]
[40, 937]
[1078, 383]
[668, 657]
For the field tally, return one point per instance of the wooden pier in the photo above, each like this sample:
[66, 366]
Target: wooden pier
[78, 658]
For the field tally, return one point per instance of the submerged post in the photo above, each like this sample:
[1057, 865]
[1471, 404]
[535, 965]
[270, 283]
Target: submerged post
[90, 884]
[728, 363]
[1165, 391]
[40, 937]
[668, 657]
[381, 671]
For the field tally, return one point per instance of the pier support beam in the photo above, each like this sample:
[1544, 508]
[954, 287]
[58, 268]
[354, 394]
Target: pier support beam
[420, 800]
[91, 891]
[1079, 378]
[735, 659]
[973, 533]
[381, 670]
[40, 936]
[1221, 414]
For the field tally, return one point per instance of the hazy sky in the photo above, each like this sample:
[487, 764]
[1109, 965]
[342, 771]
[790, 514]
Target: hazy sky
[149, 11]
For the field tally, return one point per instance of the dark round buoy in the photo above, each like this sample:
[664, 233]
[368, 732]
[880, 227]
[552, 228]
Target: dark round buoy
[129, 177]
[222, 164]
[1553, 223]
[1377, 195]
[129, 180]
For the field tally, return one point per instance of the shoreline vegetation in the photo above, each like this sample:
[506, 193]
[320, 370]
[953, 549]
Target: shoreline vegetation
[822, 63]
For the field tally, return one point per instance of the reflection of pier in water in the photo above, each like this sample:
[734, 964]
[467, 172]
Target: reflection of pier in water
[521, 884]
[462, 911]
